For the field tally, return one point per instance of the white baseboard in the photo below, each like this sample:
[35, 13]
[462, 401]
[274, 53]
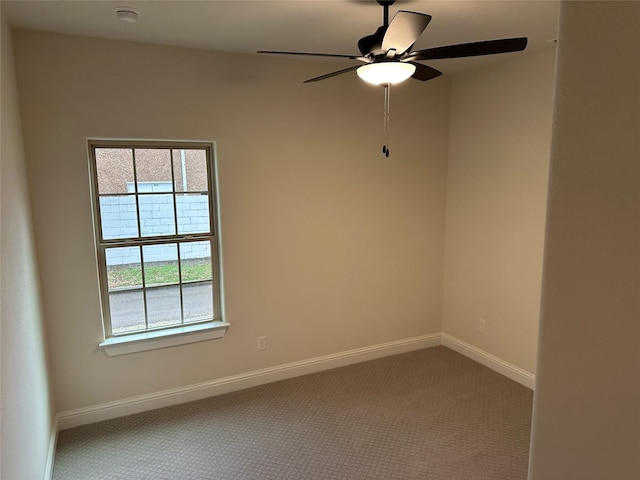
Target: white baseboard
[189, 393]
[51, 454]
[128, 406]
[494, 363]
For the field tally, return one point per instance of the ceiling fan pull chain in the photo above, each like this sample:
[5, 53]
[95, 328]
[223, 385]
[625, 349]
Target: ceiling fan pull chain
[387, 98]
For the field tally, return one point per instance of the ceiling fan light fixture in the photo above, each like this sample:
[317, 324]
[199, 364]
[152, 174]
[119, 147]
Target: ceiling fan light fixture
[386, 73]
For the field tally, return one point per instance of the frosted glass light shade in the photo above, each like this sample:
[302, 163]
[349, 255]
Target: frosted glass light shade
[385, 73]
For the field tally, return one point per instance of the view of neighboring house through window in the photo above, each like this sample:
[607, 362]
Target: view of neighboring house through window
[154, 211]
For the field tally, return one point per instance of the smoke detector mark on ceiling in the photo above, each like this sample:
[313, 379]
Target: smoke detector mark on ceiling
[127, 14]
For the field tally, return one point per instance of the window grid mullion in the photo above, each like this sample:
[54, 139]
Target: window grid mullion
[140, 247]
[175, 222]
[158, 240]
[144, 288]
[173, 190]
[135, 191]
[180, 284]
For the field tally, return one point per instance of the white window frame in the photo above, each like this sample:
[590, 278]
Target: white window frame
[149, 339]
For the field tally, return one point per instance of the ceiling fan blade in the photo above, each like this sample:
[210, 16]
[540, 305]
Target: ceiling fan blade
[424, 72]
[334, 55]
[404, 30]
[332, 74]
[489, 47]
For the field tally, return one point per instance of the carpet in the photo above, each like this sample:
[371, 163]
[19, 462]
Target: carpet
[428, 414]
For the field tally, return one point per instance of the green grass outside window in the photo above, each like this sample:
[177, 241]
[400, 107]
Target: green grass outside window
[119, 277]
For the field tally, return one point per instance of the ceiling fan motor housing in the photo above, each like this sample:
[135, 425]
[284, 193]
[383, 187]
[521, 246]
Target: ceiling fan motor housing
[372, 44]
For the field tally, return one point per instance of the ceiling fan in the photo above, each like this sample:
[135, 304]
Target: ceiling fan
[387, 58]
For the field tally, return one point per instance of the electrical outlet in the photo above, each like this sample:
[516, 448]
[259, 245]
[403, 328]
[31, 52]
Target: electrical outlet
[482, 325]
[262, 343]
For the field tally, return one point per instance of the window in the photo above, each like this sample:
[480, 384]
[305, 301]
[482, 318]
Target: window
[156, 242]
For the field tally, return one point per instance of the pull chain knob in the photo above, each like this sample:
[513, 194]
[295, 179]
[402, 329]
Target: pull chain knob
[387, 98]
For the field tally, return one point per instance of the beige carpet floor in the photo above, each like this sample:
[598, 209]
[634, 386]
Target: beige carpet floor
[428, 414]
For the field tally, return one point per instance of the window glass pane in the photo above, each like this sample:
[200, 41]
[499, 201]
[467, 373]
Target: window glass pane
[127, 311]
[160, 264]
[195, 258]
[156, 215]
[163, 306]
[118, 217]
[114, 168]
[151, 187]
[193, 213]
[153, 165]
[198, 301]
[190, 170]
[126, 300]
[123, 268]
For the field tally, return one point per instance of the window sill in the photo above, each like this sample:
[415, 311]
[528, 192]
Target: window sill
[170, 337]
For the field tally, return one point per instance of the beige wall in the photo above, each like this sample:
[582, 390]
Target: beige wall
[356, 258]
[499, 144]
[587, 400]
[27, 407]
[327, 245]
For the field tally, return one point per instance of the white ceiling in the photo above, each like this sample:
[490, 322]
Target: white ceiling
[326, 26]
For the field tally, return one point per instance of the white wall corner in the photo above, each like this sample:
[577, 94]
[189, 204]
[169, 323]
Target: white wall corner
[51, 453]
[491, 361]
